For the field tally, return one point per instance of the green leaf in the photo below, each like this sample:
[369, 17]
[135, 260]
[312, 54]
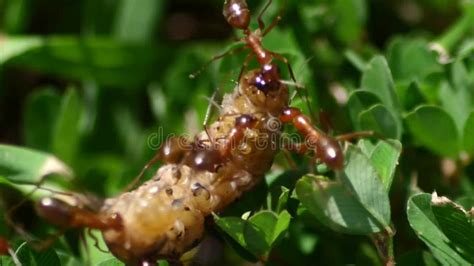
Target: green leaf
[378, 119]
[362, 180]
[27, 256]
[432, 127]
[468, 139]
[66, 135]
[283, 199]
[16, 16]
[377, 79]
[335, 206]
[466, 202]
[424, 223]
[104, 60]
[22, 165]
[40, 115]
[234, 227]
[357, 61]
[136, 19]
[456, 223]
[456, 102]
[259, 233]
[283, 222]
[15, 46]
[67, 259]
[259, 236]
[410, 95]
[359, 101]
[384, 157]
[411, 59]
[351, 16]
[111, 262]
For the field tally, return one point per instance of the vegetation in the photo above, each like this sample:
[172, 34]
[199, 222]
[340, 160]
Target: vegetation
[86, 86]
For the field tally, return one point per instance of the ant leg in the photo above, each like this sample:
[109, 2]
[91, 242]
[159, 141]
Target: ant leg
[292, 75]
[325, 121]
[147, 166]
[290, 160]
[354, 135]
[212, 103]
[245, 65]
[284, 60]
[217, 57]
[297, 147]
[274, 23]
[261, 25]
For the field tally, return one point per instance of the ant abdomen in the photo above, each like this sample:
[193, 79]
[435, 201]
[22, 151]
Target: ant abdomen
[204, 159]
[56, 212]
[237, 14]
[329, 152]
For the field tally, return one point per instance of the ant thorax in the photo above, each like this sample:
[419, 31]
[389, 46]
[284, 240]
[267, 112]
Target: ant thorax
[164, 217]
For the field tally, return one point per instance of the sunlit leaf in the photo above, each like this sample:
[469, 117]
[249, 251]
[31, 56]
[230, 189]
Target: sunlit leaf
[22, 165]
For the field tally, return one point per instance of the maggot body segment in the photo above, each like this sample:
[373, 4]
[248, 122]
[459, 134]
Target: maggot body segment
[165, 216]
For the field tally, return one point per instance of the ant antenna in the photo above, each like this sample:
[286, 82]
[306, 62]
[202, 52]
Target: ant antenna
[215, 58]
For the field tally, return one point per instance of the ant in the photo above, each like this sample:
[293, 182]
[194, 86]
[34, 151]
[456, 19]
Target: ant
[237, 14]
[209, 159]
[178, 150]
[65, 215]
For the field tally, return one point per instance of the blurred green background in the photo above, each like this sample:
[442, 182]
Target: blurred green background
[92, 81]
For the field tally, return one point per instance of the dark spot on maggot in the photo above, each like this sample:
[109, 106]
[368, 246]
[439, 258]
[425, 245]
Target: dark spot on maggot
[176, 202]
[169, 191]
[219, 166]
[197, 189]
[179, 235]
[187, 208]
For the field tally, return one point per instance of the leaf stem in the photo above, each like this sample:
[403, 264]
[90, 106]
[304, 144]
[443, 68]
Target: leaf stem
[456, 32]
[383, 241]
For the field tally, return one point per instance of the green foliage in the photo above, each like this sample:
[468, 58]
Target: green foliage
[443, 227]
[89, 87]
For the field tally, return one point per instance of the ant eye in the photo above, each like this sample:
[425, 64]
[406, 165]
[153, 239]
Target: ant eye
[261, 84]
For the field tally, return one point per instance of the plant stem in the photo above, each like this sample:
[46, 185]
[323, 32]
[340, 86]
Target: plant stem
[383, 241]
[456, 32]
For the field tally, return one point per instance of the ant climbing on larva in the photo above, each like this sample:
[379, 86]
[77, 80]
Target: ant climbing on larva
[164, 217]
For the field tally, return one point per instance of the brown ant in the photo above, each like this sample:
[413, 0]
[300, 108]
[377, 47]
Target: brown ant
[65, 215]
[200, 157]
[210, 158]
[237, 14]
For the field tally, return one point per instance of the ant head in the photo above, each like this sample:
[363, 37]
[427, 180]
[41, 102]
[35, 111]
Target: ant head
[55, 211]
[237, 14]
[268, 79]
